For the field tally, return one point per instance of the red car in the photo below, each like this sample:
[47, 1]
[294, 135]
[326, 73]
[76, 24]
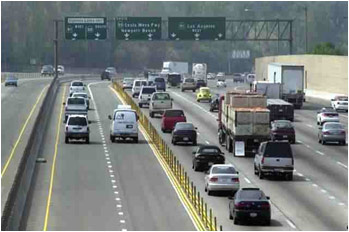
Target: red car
[170, 118]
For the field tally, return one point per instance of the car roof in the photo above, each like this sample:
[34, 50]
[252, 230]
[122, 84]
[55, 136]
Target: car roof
[124, 107]
[173, 109]
[77, 115]
[281, 121]
[249, 189]
[76, 81]
[208, 146]
[203, 88]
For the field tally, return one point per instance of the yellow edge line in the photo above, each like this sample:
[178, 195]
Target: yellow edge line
[174, 181]
[22, 131]
[53, 164]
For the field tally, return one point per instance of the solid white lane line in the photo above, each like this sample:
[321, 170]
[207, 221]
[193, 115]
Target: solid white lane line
[314, 185]
[343, 165]
[207, 142]
[123, 230]
[247, 180]
[319, 152]
[290, 224]
[308, 125]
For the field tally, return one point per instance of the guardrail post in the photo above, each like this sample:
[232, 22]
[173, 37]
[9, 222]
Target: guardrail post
[194, 194]
[211, 220]
[221, 228]
[199, 203]
[191, 191]
[206, 220]
[215, 223]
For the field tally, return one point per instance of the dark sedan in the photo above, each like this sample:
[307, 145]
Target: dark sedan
[282, 130]
[184, 132]
[250, 204]
[214, 104]
[11, 81]
[206, 156]
[200, 83]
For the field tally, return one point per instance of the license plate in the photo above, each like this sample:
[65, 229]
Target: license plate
[284, 136]
[129, 126]
[185, 139]
[253, 214]
[210, 163]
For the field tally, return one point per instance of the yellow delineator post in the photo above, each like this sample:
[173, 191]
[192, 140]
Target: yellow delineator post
[198, 204]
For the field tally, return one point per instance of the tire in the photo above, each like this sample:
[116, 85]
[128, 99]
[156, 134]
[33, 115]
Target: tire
[293, 141]
[135, 140]
[112, 138]
[151, 114]
[182, 90]
[211, 110]
[229, 144]
[195, 143]
[66, 139]
[87, 140]
[163, 130]
[236, 221]
[230, 216]
[289, 176]
[255, 170]
[343, 143]
[221, 136]
[140, 105]
[260, 174]
[205, 188]
[194, 90]
[195, 167]
[209, 193]
[323, 142]
[266, 223]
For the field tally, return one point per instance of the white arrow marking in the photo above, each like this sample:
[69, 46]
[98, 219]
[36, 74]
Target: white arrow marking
[97, 34]
[197, 35]
[173, 35]
[150, 35]
[220, 35]
[75, 34]
[126, 35]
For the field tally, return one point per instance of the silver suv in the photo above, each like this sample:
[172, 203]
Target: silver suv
[77, 128]
[274, 158]
[188, 84]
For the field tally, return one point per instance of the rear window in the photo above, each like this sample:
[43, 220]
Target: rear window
[184, 126]
[159, 80]
[251, 194]
[148, 90]
[174, 113]
[205, 90]
[283, 125]
[223, 170]
[78, 121]
[278, 150]
[125, 116]
[77, 84]
[189, 80]
[342, 99]
[161, 96]
[200, 81]
[210, 150]
[76, 101]
[330, 126]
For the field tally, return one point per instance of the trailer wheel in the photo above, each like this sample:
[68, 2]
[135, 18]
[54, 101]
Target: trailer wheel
[229, 144]
[221, 137]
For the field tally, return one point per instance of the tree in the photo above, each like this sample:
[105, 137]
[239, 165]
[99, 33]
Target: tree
[326, 49]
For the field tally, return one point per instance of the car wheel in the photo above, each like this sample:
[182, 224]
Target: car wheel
[163, 130]
[205, 188]
[343, 143]
[323, 142]
[289, 176]
[87, 140]
[267, 222]
[194, 90]
[195, 143]
[236, 221]
[66, 139]
[230, 216]
[293, 141]
[255, 170]
[140, 105]
[260, 174]
[135, 140]
[195, 167]
[112, 138]
[151, 114]
[209, 192]
[182, 90]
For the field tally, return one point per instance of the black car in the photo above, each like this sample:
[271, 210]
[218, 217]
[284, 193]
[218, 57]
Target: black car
[282, 130]
[184, 132]
[214, 104]
[200, 83]
[105, 75]
[207, 155]
[250, 204]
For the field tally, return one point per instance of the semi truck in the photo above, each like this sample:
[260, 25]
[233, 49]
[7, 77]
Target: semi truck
[199, 71]
[175, 67]
[243, 122]
[291, 78]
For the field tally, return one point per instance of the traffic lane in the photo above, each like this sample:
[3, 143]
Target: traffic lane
[207, 130]
[149, 198]
[17, 105]
[219, 203]
[82, 194]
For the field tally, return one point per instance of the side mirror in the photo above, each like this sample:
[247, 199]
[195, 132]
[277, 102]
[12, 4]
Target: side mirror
[196, 128]
[332, 99]
[230, 197]
[237, 172]
[268, 198]
[63, 103]
[193, 152]
[89, 121]
[109, 116]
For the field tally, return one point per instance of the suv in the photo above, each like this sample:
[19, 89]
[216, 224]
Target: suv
[188, 84]
[159, 102]
[145, 95]
[340, 103]
[76, 86]
[200, 83]
[77, 128]
[105, 75]
[137, 85]
[274, 158]
[83, 95]
[47, 70]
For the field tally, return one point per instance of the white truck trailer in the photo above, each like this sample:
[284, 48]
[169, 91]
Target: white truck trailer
[199, 71]
[291, 78]
[175, 67]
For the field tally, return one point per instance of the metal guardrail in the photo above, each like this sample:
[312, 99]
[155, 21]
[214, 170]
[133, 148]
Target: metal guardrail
[192, 194]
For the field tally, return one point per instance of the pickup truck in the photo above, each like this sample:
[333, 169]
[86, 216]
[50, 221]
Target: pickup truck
[75, 105]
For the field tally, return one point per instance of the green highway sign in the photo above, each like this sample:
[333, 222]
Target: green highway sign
[138, 28]
[196, 28]
[81, 28]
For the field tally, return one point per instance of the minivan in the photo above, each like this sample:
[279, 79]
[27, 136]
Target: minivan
[124, 124]
[274, 158]
[137, 85]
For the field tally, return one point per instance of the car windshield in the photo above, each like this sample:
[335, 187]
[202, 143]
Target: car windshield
[148, 90]
[200, 81]
[140, 83]
[161, 96]
[128, 80]
[327, 109]
[251, 194]
[47, 67]
[76, 101]
[159, 80]
[333, 126]
[77, 84]
[222, 80]
[77, 121]
[210, 150]
[174, 113]
[278, 150]
[189, 81]
[342, 99]
[283, 125]
[205, 91]
[223, 170]
[125, 115]
[184, 126]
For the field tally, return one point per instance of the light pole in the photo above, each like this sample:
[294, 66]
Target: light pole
[306, 28]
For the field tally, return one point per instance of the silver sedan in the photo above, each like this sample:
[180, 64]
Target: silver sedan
[222, 177]
[332, 132]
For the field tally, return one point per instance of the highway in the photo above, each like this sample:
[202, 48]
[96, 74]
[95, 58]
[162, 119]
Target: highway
[101, 185]
[122, 186]
[20, 106]
[320, 184]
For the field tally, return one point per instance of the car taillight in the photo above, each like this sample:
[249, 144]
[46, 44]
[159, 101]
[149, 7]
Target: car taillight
[213, 179]
[265, 205]
[262, 160]
[236, 180]
[240, 205]
[327, 133]
[343, 132]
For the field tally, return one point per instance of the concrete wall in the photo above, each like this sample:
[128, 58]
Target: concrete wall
[323, 74]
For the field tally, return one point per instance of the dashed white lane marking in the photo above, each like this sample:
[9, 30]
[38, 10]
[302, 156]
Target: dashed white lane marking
[112, 176]
[207, 142]
[247, 180]
[341, 203]
[114, 186]
[105, 148]
[111, 171]
[109, 166]
[323, 191]
[118, 206]
[300, 174]
[116, 192]
[314, 185]
[122, 221]
[319, 152]
[343, 165]
[331, 197]
[121, 213]
[308, 125]
[298, 141]
[307, 145]
[307, 179]
[106, 154]
[123, 230]
[113, 181]
[108, 162]
[117, 199]
[291, 224]
[107, 158]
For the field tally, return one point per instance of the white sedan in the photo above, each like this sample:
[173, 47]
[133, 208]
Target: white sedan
[221, 83]
[222, 177]
[340, 103]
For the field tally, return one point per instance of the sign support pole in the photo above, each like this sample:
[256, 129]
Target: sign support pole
[56, 48]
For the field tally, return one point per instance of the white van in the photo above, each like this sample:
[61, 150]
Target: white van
[137, 85]
[124, 125]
